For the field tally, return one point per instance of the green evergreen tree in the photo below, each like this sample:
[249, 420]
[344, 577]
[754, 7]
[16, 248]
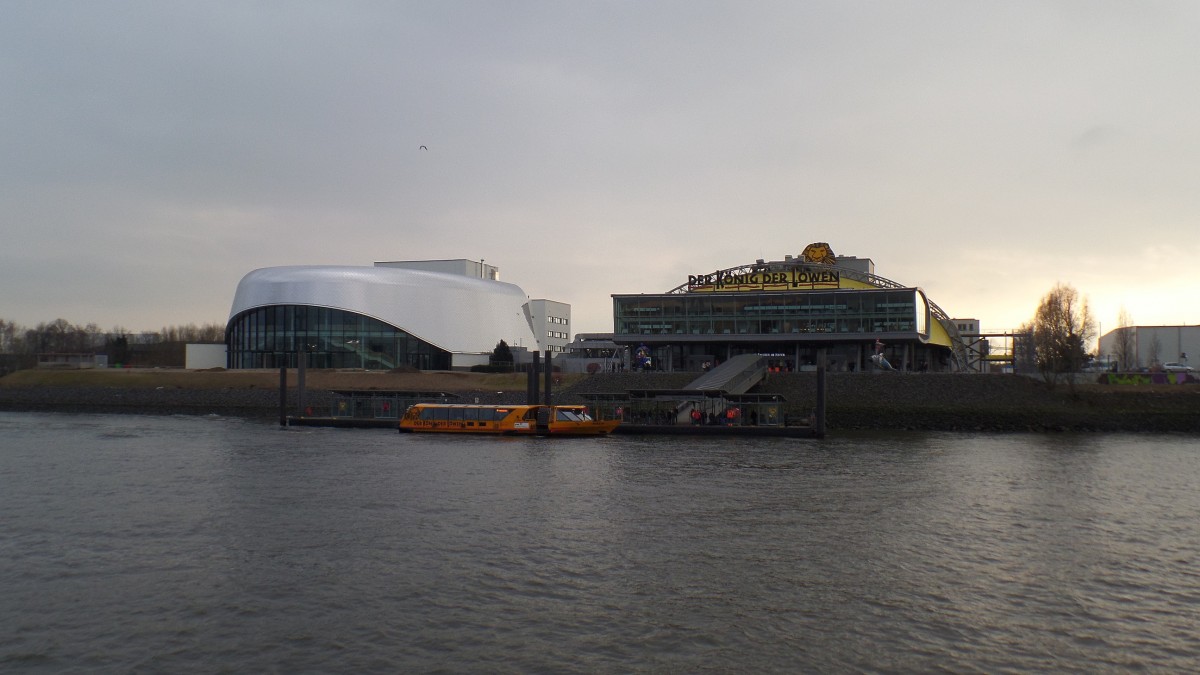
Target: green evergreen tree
[501, 355]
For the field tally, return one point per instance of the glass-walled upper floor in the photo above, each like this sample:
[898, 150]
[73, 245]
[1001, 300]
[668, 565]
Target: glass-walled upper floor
[841, 312]
[272, 337]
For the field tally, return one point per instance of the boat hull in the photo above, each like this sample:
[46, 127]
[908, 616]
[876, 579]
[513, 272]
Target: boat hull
[581, 429]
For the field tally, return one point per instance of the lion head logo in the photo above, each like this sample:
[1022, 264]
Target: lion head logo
[819, 253]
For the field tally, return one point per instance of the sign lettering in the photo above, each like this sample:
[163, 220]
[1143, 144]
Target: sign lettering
[800, 278]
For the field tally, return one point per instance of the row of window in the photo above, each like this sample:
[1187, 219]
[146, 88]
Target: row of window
[481, 414]
[781, 304]
[557, 334]
[779, 313]
[272, 337]
[765, 327]
[556, 319]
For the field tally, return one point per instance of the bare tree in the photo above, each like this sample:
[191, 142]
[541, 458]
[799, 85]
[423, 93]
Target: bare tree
[209, 332]
[1124, 347]
[1023, 353]
[1062, 326]
[1154, 352]
[62, 336]
[55, 336]
[89, 338]
[8, 337]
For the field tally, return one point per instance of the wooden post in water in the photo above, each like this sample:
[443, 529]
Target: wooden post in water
[300, 381]
[819, 422]
[549, 376]
[533, 380]
[528, 385]
[283, 395]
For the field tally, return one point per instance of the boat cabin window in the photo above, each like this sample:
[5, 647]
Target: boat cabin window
[462, 413]
[567, 416]
[434, 413]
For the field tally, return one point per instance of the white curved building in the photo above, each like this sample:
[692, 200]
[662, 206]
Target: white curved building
[378, 317]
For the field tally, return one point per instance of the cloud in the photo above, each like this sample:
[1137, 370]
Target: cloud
[587, 148]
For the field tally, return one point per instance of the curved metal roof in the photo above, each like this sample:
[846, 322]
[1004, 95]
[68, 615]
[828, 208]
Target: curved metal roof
[451, 311]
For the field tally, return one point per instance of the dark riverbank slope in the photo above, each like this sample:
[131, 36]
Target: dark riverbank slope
[855, 401]
[962, 402]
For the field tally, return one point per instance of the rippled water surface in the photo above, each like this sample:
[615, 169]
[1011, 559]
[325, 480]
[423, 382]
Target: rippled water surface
[215, 544]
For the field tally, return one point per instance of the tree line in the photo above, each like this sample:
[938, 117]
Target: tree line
[63, 336]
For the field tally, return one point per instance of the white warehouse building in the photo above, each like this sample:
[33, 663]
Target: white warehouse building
[429, 314]
[1135, 347]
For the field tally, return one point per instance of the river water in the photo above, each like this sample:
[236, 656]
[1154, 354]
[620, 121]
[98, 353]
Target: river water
[215, 544]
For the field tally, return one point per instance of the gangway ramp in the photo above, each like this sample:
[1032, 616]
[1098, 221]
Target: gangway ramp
[736, 376]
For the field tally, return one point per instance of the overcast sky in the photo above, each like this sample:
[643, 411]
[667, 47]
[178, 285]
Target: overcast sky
[153, 153]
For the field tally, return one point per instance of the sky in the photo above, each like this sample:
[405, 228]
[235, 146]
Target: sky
[153, 153]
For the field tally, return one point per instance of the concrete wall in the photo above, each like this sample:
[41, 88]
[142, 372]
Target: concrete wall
[200, 357]
[463, 361]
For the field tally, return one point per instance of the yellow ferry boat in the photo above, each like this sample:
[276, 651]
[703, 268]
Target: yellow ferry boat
[543, 420]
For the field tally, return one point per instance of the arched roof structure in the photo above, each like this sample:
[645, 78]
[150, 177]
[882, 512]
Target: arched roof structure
[453, 312]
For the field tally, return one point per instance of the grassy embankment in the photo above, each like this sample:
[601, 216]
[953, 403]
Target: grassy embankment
[220, 392]
[154, 378]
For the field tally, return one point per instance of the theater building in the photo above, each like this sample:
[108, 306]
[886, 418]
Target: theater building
[791, 311]
[430, 315]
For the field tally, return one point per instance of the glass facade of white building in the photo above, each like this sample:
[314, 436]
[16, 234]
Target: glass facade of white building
[275, 336]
